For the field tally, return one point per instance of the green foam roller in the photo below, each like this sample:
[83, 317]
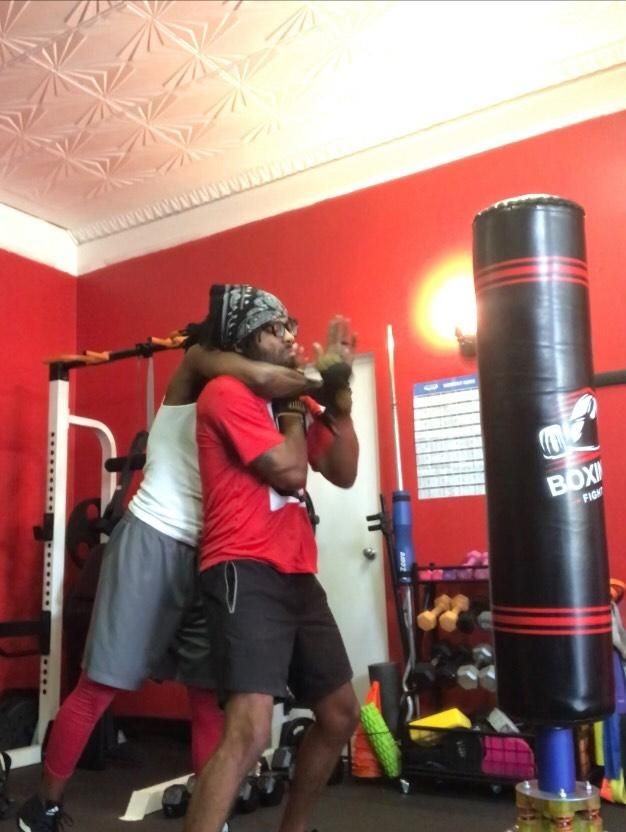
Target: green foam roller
[381, 739]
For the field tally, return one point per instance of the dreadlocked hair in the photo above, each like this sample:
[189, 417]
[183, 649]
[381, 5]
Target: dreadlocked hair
[205, 333]
[191, 333]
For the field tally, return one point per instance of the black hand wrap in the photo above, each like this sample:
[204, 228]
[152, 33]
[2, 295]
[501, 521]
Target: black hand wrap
[335, 393]
[290, 408]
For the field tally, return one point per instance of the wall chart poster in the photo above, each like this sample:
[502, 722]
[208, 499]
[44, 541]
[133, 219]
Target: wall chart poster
[448, 442]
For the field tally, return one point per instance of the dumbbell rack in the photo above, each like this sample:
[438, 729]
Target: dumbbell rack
[482, 756]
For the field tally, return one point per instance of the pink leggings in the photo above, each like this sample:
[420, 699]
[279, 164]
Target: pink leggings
[82, 709]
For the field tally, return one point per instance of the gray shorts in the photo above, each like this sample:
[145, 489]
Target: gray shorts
[148, 618]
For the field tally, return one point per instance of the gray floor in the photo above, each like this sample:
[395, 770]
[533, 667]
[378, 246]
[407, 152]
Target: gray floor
[95, 800]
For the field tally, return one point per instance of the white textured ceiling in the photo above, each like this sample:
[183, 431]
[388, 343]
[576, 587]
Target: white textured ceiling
[114, 113]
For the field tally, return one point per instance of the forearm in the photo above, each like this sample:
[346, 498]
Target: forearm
[339, 457]
[285, 466]
[274, 382]
[267, 380]
[295, 448]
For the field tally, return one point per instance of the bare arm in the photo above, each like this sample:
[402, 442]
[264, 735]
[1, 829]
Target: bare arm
[339, 457]
[200, 365]
[284, 467]
[333, 444]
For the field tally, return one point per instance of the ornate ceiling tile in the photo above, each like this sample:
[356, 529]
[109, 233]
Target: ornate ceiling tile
[114, 112]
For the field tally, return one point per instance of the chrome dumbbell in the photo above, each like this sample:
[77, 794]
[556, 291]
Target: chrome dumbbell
[471, 676]
[487, 678]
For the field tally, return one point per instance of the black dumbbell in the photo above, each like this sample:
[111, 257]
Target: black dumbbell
[482, 654]
[468, 620]
[447, 670]
[424, 675]
[283, 762]
[175, 800]
[248, 797]
[442, 668]
[272, 787]
[284, 757]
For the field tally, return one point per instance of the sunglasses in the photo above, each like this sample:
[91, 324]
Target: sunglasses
[278, 328]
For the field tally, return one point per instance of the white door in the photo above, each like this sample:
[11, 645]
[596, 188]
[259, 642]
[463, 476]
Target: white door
[355, 585]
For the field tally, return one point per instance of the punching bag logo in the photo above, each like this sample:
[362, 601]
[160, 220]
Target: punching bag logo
[574, 442]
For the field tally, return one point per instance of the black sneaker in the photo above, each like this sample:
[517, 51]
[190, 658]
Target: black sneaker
[33, 816]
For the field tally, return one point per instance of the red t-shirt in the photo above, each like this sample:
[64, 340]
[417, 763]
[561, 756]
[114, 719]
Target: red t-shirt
[245, 517]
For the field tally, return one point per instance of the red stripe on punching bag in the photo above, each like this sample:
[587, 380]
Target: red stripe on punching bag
[554, 631]
[568, 611]
[531, 270]
[573, 262]
[553, 620]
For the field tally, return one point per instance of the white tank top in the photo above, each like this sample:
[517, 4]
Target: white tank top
[170, 496]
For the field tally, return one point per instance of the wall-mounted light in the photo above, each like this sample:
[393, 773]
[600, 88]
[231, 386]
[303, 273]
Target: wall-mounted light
[445, 306]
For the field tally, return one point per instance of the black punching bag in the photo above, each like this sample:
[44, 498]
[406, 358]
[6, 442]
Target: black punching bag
[547, 546]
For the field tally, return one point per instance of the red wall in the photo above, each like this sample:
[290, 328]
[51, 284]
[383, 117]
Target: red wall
[365, 255]
[37, 319]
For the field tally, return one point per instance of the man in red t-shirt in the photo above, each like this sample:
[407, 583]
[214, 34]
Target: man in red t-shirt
[269, 621]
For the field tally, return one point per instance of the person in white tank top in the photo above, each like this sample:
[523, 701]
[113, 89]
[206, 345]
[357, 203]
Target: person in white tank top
[151, 556]
[169, 496]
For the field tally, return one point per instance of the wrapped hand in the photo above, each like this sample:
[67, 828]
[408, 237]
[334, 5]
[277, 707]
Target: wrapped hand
[340, 345]
[334, 363]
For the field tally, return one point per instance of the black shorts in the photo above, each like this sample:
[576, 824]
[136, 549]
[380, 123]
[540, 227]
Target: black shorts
[272, 633]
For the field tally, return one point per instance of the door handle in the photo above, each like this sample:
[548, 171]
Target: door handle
[369, 553]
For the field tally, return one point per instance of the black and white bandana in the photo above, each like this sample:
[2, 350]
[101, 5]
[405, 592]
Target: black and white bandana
[240, 309]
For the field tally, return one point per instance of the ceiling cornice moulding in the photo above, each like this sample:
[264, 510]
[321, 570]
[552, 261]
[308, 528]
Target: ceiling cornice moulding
[316, 177]
[38, 240]
[293, 184]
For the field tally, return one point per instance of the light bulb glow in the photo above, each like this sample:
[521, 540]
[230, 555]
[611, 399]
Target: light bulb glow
[444, 302]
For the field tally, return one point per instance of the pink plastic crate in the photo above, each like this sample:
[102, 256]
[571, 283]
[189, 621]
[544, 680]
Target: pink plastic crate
[508, 757]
